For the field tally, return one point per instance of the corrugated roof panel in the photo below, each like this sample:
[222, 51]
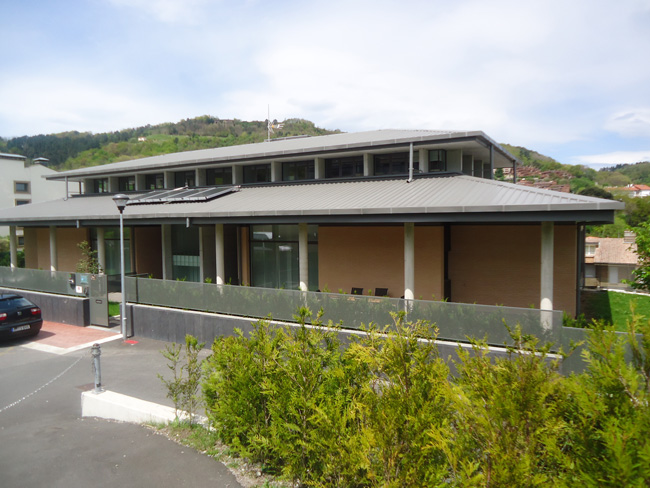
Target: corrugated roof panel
[442, 194]
[280, 147]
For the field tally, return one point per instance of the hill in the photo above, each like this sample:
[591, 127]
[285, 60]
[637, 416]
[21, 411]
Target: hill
[70, 150]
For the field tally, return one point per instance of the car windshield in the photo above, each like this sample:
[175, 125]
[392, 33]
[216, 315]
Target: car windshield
[14, 302]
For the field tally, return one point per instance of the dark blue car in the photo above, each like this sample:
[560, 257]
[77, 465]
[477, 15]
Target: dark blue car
[18, 316]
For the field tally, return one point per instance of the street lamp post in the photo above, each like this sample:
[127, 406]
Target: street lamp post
[120, 200]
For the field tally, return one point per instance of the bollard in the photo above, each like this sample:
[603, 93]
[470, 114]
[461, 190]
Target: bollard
[95, 352]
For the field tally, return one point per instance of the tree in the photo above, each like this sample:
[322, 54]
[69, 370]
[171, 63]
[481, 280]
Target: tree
[596, 191]
[88, 262]
[641, 275]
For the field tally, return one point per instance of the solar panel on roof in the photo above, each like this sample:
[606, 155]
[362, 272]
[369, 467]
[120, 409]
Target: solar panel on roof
[183, 195]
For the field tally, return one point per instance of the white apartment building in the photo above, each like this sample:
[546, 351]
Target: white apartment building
[22, 184]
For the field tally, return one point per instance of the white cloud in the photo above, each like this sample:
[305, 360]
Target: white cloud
[65, 104]
[168, 11]
[612, 158]
[530, 73]
[630, 123]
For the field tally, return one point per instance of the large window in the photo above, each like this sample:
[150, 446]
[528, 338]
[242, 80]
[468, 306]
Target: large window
[437, 160]
[344, 167]
[185, 178]
[155, 181]
[275, 259]
[186, 261]
[298, 170]
[219, 176]
[257, 173]
[112, 243]
[126, 183]
[100, 185]
[394, 163]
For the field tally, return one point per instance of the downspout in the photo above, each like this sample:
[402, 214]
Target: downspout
[410, 163]
[580, 266]
[66, 189]
[514, 172]
[491, 161]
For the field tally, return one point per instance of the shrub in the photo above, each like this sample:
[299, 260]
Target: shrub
[609, 409]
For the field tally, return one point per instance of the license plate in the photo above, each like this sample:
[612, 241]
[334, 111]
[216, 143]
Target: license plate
[22, 327]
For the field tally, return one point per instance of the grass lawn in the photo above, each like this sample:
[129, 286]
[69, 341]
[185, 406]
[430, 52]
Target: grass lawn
[113, 308]
[614, 307]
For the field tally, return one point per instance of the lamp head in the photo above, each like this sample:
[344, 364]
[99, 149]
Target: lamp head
[120, 200]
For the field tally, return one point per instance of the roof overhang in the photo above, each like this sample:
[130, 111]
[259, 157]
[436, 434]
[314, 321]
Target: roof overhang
[433, 200]
[475, 143]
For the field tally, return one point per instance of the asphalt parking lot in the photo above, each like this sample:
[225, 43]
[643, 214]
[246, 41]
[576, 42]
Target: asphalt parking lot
[44, 441]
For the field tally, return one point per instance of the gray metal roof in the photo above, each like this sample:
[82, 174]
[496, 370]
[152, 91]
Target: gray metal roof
[11, 156]
[450, 198]
[291, 147]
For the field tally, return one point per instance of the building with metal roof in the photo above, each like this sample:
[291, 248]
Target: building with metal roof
[416, 214]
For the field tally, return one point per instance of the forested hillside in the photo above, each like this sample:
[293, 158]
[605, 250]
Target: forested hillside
[69, 150]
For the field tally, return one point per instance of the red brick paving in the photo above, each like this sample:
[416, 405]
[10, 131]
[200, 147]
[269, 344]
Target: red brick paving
[66, 336]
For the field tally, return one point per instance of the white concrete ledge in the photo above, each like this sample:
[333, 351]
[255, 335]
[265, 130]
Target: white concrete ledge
[115, 406]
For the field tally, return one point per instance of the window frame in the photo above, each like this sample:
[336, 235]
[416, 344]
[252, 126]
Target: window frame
[248, 169]
[28, 186]
[211, 176]
[299, 170]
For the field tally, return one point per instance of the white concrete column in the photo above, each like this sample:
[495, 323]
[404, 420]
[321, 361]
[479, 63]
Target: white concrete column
[237, 175]
[101, 249]
[140, 181]
[368, 169]
[276, 171]
[166, 237]
[546, 288]
[13, 246]
[219, 249]
[409, 260]
[113, 184]
[53, 251]
[169, 179]
[200, 177]
[455, 160]
[319, 168]
[423, 160]
[303, 256]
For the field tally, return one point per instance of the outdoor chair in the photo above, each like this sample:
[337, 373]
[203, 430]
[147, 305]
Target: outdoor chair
[381, 292]
[357, 291]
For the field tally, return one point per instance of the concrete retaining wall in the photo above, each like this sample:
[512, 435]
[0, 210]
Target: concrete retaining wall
[172, 325]
[58, 308]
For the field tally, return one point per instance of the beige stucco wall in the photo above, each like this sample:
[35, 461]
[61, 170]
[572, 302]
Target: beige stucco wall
[373, 257]
[37, 247]
[148, 250]
[31, 247]
[500, 265]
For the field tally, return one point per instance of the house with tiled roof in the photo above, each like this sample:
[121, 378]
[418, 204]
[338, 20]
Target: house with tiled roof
[632, 190]
[610, 260]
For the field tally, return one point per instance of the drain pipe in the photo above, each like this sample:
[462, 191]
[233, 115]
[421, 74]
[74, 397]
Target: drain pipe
[410, 163]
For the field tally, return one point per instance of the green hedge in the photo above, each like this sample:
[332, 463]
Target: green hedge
[385, 410]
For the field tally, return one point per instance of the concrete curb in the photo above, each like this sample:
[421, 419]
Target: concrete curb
[115, 406]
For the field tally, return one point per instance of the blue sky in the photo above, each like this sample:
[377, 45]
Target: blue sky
[570, 79]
